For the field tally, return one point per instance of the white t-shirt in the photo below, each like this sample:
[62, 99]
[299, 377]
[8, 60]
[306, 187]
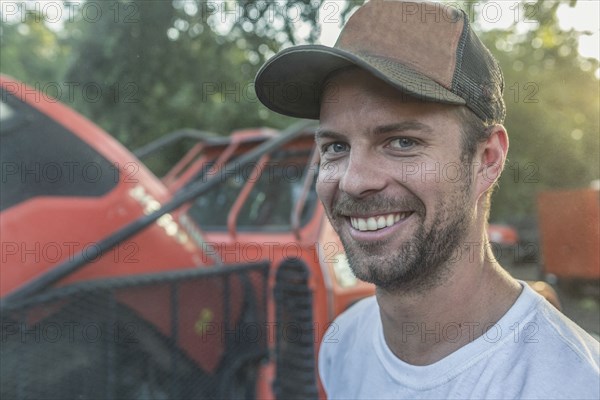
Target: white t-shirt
[533, 352]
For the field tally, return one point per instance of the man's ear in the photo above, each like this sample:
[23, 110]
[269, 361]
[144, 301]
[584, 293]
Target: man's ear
[491, 158]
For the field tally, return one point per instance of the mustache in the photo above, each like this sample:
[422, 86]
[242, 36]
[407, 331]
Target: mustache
[348, 205]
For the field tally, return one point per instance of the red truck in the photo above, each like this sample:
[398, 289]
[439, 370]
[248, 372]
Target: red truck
[569, 222]
[110, 289]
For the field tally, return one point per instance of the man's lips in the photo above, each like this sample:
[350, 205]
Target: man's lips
[377, 222]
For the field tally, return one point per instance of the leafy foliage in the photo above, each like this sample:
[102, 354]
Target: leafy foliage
[553, 112]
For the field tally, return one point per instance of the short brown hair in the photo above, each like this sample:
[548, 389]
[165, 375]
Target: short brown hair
[474, 132]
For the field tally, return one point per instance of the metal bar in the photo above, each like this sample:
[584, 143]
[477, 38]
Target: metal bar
[188, 193]
[131, 281]
[189, 174]
[244, 193]
[220, 162]
[308, 181]
[187, 159]
[173, 137]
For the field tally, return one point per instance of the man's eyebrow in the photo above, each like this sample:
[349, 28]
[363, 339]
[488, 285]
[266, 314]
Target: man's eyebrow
[378, 130]
[401, 127]
[327, 134]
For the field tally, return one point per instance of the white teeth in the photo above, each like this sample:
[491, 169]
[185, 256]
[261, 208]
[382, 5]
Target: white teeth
[375, 223]
[371, 224]
[362, 224]
[390, 220]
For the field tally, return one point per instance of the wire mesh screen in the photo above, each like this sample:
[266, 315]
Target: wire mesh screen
[192, 334]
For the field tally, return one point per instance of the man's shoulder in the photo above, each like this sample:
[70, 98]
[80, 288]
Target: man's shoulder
[558, 353]
[548, 347]
[559, 332]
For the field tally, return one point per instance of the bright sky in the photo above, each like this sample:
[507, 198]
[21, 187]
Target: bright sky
[585, 16]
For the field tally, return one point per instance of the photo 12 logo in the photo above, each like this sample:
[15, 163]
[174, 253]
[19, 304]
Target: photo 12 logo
[69, 92]
[55, 12]
[15, 253]
[68, 331]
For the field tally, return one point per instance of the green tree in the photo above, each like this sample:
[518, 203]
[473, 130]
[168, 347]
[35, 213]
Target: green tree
[553, 111]
[167, 65]
[30, 51]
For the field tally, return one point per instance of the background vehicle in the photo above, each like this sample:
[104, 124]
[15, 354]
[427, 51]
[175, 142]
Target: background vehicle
[174, 311]
[115, 327]
[570, 234]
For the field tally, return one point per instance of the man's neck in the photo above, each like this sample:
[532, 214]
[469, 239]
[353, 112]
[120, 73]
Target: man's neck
[422, 328]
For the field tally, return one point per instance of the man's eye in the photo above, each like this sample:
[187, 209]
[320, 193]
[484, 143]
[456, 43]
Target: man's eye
[402, 143]
[335, 147]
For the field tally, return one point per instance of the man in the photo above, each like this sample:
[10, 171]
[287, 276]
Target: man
[409, 92]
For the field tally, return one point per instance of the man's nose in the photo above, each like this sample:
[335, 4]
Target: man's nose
[362, 176]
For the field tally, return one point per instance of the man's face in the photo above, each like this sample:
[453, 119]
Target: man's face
[389, 182]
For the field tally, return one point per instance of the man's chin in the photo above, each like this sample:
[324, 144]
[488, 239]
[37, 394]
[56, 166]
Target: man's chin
[399, 274]
[382, 281]
[376, 269]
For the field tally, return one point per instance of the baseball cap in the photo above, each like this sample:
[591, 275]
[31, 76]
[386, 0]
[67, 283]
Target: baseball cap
[426, 50]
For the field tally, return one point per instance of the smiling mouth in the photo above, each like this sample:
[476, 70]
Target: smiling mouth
[378, 222]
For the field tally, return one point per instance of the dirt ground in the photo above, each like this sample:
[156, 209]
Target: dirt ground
[580, 302]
